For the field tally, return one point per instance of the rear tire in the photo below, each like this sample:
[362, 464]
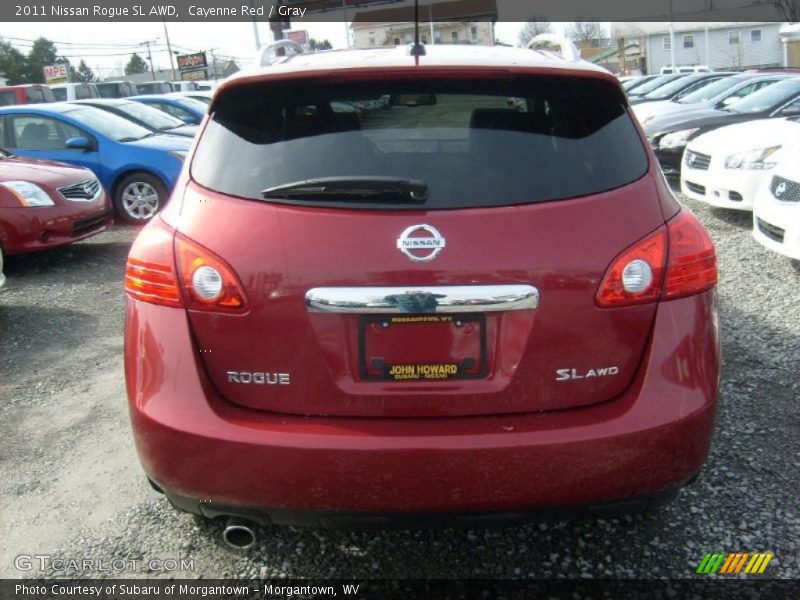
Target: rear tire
[138, 197]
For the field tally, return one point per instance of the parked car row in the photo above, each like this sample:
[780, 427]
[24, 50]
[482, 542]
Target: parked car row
[135, 146]
[135, 164]
[72, 155]
[733, 143]
[64, 92]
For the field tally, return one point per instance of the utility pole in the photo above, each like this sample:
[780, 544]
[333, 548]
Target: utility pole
[150, 56]
[346, 27]
[213, 63]
[169, 50]
[709, 6]
[255, 30]
[672, 40]
[430, 20]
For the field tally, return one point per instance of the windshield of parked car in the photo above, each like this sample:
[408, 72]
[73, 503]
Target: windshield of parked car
[768, 98]
[108, 124]
[648, 87]
[632, 82]
[710, 91]
[152, 117]
[204, 99]
[469, 143]
[195, 105]
[35, 95]
[667, 91]
[108, 90]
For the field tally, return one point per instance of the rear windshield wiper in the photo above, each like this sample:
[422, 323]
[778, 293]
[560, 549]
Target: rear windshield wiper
[351, 189]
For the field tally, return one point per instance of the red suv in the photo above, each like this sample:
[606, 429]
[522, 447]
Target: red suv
[34, 93]
[404, 285]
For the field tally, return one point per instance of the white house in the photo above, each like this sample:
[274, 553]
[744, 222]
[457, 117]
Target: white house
[447, 22]
[729, 46]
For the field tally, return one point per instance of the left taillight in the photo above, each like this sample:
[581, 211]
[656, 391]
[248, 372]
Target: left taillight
[150, 272]
[167, 268]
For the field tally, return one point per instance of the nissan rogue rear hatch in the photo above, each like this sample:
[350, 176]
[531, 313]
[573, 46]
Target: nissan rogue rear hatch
[420, 243]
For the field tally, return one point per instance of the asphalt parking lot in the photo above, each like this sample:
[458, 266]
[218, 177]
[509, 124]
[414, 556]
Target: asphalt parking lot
[71, 487]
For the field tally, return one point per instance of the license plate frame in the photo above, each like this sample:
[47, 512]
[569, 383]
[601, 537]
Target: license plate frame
[427, 372]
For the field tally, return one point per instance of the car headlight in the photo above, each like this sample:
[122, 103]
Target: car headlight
[28, 193]
[676, 139]
[752, 159]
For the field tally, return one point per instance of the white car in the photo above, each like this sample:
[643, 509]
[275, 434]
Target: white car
[724, 167]
[776, 213]
[2, 277]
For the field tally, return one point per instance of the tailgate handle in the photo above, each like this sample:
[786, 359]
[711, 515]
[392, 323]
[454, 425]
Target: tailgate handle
[422, 299]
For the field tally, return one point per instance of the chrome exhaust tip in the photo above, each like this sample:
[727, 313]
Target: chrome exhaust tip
[239, 534]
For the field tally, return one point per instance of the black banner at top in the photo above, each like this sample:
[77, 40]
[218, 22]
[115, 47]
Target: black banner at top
[299, 11]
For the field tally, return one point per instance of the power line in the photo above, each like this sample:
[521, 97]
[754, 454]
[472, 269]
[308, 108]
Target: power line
[79, 44]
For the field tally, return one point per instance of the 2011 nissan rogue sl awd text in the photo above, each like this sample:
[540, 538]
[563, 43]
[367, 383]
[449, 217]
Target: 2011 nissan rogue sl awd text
[390, 286]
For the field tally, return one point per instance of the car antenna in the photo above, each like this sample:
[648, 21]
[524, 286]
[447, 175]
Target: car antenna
[417, 49]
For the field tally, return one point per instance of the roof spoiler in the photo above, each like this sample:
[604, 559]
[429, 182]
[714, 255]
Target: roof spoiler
[548, 41]
[276, 52]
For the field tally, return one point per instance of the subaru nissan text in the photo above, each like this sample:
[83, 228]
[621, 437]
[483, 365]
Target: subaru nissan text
[479, 298]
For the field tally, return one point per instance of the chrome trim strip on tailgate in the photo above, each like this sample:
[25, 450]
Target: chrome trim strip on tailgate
[422, 299]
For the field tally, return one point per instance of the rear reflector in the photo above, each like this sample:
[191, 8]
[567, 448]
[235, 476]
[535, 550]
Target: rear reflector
[692, 266]
[149, 273]
[682, 257]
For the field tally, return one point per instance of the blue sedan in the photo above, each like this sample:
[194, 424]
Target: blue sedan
[188, 110]
[138, 167]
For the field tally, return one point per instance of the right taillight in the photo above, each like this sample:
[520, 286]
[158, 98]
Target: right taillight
[200, 280]
[664, 265]
[692, 262]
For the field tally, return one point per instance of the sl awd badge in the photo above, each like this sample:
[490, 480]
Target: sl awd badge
[421, 243]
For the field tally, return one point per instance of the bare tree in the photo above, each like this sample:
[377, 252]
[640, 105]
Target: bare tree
[532, 28]
[790, 9]
[587, 32]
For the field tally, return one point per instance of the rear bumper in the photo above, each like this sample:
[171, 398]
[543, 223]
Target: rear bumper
[204, 451]
[417, 520]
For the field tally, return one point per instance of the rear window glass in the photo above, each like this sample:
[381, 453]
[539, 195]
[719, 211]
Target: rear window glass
[473, 144]
[108, 90]
[83, 92]
[7, 98]
[35, 95]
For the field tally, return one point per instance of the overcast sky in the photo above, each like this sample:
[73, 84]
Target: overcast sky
[107, 46]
